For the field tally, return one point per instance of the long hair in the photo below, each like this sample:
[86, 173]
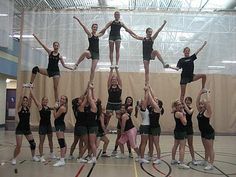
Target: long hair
[99, 107]
[160, 104]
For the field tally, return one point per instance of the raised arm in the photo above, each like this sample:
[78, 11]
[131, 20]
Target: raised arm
[83, 26]
[182, 117]
[91, 100]
[208, 112]
[109, 78]
[58, 113]
[188, 110]
[145, 99]
[22, 92]
[118, 78]
[135, 36]
[158, 31]
[44, 46]
[205, 42]
[151, 91]
[153, 103]
[37, 103]
[63, 63]
[198, 100]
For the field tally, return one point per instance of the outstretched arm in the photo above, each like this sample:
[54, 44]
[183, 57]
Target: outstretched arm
[83, 26]
[101, 33]
[145, 100]
[159, 30]
[37, 103]
[44, 46]
[109, 78]
[22, 92]
[201, 48]
[188, 110]
[198, 100]
[208, 105]
[91, 100]
[153, 103]
[63, 64]
[118, 78]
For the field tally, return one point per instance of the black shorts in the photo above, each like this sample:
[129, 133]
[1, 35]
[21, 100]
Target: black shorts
[114, 38]
[148, 56]
[53, 73]
[92, 129]
[189, 130]
[100, 133]
[208, 136]
[180, 135]
[80, 131]
[113, 106]
[144, 129]
[186, 80]
[23, 131]
[94, 55]
[155, 131]
[60, 128]
[45, 129]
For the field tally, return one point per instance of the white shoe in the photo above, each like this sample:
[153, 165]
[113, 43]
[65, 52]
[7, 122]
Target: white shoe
[209, 167]
[183, 166]
[70, 157]
[42, 159]
[28, 85]
[203, 163]
[36, 159]
[13, 161]
[114, 153]
[150, 158]
[131, 155]
[93, 160]
[81, 160]
[174, 162]
[194, 162]
[116, 67]
[75, 67]
[137, 159]
[53, 156]
[165, 65]
[88, 158]
[158, 161]
[112, 66]
[120, 156]
[59, 163]
[142, 160]
[105, 155]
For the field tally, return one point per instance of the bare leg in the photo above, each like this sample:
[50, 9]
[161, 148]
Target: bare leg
[55, 87]
[157, 146]
[50, 142]
[41, 142]
[182, 93]
[84, 55]
[150, 145]
[30, 137]
[144, 139]
[83, 145]
[41, 71]
[190, 145]
[181, 150]
[155, 53]
[73, 146]
[200, 76]
[146, 68]
[117, 44]
[93, 67]
[174, 149]
[211, 152]
[18, 145]
[111, 51]
[60, 135]
[106, 142]
[92, 142]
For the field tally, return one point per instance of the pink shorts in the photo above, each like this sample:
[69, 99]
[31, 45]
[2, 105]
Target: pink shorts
[130, 136]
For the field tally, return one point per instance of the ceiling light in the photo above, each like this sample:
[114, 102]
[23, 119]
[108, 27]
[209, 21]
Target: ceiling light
[3, 15]
[228, 61]
[23, 36]
[220, 67]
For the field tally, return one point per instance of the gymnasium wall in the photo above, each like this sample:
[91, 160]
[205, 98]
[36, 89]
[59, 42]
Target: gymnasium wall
[165, 86]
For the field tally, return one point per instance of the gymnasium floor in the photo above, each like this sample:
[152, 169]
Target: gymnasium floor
[225, 161]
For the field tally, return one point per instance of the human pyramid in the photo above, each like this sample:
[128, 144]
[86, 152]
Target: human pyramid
[92, 118]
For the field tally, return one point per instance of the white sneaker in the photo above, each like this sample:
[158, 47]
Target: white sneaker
[36, 159]
[81, 160]
[142, 160]
[158, 161]
[203, 163]
[88, 158]
[53, 156]
[120, 156]
[150, 158]
[114, 153]
[183, 166]
[116, 67]
[105, 155]
[59, 163]
[28, 85]
[42, 159]
[194, 162]
[174, 162]
[93, 160]
[112, 66]
[209, 167]
[13, 161]
[70, 157]
[131, 155]
[137, 159]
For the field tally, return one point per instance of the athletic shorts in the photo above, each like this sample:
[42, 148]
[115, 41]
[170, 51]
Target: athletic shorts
[23, 132]
[144, 129]
[94, 55]
[53, 73]
[148, 56]
[92, 130]
[80, 131]
[155, 131]
[190, 130]
[114, 38]
[208, 136]
[186, 80]
[45, 129]
[130, 136]
[100, 134]
[113, 106]
[60, 128]
[180, 135]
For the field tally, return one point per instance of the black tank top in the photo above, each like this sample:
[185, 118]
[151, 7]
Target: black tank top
[115, 28]
[80, 119]
[204, 124]
[45, 115]
[93, 44]
[91, 119]
[60, 119]
[189, 118]
[154, 118]
[24, 118]
[129, 124]
[53, 62]
[114, 95]
[147, 46]
[179, 127]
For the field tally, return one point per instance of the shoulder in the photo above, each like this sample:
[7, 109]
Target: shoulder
[178, 114]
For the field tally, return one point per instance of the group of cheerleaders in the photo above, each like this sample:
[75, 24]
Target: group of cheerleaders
[92, 118]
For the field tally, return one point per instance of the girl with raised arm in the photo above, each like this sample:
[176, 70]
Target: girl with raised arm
[53, 68]
[23, 127]
[148, 52]
[45, 127]
[207, 132]
[93, 49]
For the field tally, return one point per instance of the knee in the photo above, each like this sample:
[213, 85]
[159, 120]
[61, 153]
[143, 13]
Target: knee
[61, 142]
[203, 76]
[35, 70]
[32, 144]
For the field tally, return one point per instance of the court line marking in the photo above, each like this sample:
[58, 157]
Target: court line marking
[141, 165]
[135, 168]
[80, 170]
[91, 169]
